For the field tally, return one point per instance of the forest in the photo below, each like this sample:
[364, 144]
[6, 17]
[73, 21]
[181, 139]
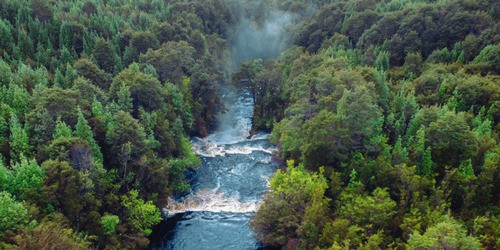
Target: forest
[386, 114]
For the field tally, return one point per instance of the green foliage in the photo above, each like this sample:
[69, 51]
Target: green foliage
[177, 169]
[70, 76]
[320, 136]
[125, 130]
[5, 73]
[124, 99]
[426, 166]
[489, 55]
[451, 138]
[144, 40]
[446, 234]
[59, 79]
[411, 134]
[382, 61]
[14, 215]
[6, 35]
[362, 116]
[84, 132]
[487, 230]
[17, 98]
[62, 129]
[141, 215]
[19, 141]
[300, 212]
[51, 233]
[109, 223]
[89, 70]
[371, 211]
[24, 180]
[144, 90]
[105, 56]
[62, 188]
[465, 168]
[413, 64]
[58, 103]
[171, 61]
[402, 95]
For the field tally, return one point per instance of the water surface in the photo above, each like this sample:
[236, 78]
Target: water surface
[227, 189]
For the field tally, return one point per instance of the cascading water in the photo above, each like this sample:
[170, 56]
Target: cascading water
[226, 190]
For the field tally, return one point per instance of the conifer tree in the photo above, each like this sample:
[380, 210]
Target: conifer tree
[43, 129]
[19, 141]
[426, 165]
[399, 153]
[84, 132]
[62, 129]
[124, 99]
[70, 76]
[59, 79]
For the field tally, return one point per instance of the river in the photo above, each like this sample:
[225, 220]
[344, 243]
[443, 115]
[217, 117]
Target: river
[227, 189]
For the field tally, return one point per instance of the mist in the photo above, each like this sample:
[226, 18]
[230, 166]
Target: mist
[261, 32]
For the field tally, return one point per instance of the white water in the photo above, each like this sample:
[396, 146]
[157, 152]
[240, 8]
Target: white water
[230, 139]
[211, 201]
[227, 189]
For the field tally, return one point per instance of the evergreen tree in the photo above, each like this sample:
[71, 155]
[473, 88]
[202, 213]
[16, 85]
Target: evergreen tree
[84, 132]
[62, 129]
[426, 165]
[399, 153]
[6, 35]
[105, 55]
[70, 76]
[13, 213]
[43, 129]
[5, 73]
[59, 79]
[19, 141]
[65, 57]
[124, 99]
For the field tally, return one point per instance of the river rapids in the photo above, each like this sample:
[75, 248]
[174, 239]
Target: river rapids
[227, 189]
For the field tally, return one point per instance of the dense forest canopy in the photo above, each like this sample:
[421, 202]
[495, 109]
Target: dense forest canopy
[387, 112]
[98, 100]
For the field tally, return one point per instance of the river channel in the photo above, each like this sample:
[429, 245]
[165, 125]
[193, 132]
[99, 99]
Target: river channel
[227, 188]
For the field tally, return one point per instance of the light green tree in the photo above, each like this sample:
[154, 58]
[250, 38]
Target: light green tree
[448, 234]
[141, 215]
[62, 129]
[19, 141]
[109, 223]
[124, 99]
[13, 214]
[294, 207]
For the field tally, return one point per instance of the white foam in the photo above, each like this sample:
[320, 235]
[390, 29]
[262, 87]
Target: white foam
[210, 201]
[260, 136]
[231, 137]
[248, 150]
[211, 149]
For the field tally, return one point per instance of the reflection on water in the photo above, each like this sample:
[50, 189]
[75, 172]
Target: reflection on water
[226, 190]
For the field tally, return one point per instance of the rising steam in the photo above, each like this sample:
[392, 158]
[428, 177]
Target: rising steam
[261, 32]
